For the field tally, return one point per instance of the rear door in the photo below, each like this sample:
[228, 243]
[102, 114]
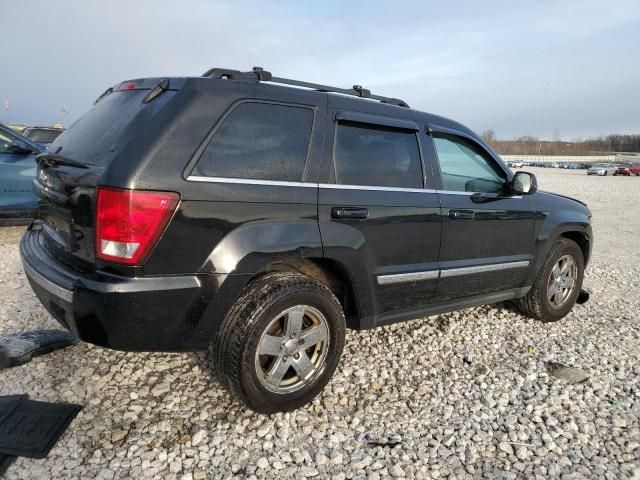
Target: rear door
[487, 233]
[375, 214]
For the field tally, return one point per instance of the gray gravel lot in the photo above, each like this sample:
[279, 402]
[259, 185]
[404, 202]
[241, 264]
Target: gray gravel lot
[501, 416]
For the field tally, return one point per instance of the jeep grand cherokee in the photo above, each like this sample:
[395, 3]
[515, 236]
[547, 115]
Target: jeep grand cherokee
[259, 217]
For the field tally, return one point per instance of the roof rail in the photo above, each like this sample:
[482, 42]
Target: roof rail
[258, 74]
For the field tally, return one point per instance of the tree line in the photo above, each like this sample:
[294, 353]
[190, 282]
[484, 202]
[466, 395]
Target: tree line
[529, 145]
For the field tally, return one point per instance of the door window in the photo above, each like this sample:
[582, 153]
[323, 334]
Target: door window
[259, 141]
[5, 142]
[376, 156]
[466, 167]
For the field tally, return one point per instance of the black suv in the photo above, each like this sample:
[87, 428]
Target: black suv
[259, 217]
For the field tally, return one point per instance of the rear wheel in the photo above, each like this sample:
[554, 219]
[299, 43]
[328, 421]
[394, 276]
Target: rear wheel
[280, 343]
[556, 289]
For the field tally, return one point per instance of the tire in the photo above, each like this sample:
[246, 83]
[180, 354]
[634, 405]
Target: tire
[606, 173]
[271, 303]
[536, 304]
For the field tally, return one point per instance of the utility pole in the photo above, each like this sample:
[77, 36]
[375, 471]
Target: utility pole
[544, 114]
[65, 113]
[6, 108]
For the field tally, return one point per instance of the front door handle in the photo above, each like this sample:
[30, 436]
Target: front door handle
[461, 214]
[349, 212]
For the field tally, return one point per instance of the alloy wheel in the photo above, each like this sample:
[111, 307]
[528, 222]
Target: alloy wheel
[562, 281]
[292, 350]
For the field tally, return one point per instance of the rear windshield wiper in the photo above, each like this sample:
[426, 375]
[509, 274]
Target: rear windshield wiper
[50, 159]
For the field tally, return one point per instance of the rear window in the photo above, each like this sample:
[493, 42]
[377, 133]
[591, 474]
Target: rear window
[43, 135]
[97, 136]
[259, 141]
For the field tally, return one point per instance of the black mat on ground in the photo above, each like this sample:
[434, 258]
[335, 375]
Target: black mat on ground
[7, 404]
[31, 429]
[19, 348]
[5, 461]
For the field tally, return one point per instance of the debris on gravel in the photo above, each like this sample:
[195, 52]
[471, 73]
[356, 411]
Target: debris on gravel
[568, 374]
[501, 414]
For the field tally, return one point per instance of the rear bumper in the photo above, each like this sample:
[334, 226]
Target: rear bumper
[131, 314]
[16, 215]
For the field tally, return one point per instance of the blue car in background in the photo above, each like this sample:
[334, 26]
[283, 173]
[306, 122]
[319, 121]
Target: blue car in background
[17, 170]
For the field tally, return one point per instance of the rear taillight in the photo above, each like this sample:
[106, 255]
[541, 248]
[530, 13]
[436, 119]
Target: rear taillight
[129, 222]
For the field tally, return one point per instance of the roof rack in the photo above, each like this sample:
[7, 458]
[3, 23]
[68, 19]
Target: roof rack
[260, 75]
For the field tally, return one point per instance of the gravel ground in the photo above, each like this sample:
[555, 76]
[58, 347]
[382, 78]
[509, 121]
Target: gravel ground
[499, 414]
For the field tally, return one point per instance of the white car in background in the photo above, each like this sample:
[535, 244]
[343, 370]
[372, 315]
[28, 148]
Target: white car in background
[515, 163]
[602, 169]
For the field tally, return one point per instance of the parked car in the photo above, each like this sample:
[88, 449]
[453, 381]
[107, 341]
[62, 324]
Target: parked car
[17, 128]
[260, 221]
[628, 169]
[602, 169]
[17, 171]
[515, 163]
[42, 135]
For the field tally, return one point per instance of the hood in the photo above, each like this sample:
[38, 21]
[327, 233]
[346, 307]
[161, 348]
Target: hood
[567, 197]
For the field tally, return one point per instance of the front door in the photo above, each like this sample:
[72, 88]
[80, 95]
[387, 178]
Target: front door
[487, 233]
[375, 215]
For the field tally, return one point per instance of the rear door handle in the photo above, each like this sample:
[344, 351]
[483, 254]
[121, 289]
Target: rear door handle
[461, 214]
[349, 212]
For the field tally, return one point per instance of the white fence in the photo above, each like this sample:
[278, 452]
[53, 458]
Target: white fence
[629, 157]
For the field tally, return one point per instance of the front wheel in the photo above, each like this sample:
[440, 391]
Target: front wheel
[556, 289]
[280, 343]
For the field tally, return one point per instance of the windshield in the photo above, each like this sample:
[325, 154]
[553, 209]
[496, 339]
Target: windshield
[43, 135]
[599, 165]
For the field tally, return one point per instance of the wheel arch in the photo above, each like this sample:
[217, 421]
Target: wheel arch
[578, 232]
[582, 239]
[330, 273]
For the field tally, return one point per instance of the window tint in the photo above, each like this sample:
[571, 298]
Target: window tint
[259, 141]
[377, 156]
[465, 167]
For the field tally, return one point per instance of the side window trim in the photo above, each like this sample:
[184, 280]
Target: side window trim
[374, 121]
[378, 120]
[187, 173]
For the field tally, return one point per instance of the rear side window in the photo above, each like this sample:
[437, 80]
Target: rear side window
[259, 141]
[376, 156]
[465, 167]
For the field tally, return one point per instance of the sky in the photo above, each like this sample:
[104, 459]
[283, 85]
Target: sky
[544, 68]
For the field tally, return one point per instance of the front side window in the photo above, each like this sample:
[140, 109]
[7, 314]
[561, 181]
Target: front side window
[465, 167]
[376, 156]
[259, 141]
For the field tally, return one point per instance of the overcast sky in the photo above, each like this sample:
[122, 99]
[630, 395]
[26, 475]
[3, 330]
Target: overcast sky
[570, 68]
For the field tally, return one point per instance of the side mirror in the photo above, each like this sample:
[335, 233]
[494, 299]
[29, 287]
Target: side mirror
[21, 147]
[524, 183]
